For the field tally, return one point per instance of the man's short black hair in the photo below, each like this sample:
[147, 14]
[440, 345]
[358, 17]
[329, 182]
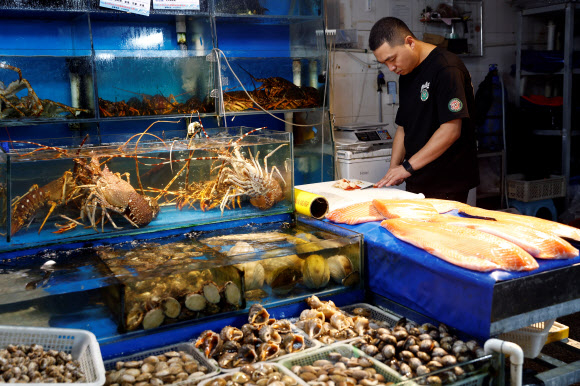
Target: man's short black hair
[388, 30]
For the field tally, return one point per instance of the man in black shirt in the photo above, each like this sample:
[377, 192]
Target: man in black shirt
[434, 149]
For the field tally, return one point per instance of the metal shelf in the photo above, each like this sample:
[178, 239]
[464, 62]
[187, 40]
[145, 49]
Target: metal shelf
[568, 9]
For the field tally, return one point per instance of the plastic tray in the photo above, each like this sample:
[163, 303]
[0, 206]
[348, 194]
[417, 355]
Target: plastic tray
[279, 367]
[345, 350]
[527, 191]
[558, 332]
[531, 339]
[186, 347]
[376, 313]
[81, 344]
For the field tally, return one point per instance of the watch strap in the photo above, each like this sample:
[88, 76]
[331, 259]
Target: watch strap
[408, 166]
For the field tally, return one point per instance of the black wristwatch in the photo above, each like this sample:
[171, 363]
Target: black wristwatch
[408, 166]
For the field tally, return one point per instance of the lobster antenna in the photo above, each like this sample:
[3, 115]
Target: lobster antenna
[251, 76]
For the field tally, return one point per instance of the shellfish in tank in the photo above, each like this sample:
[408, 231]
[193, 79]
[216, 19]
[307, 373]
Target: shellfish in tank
[315, 272]
[254, 275]
[241, 248]
[342, 271]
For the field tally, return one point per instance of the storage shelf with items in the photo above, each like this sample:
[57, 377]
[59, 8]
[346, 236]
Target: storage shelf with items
[545, 76]
[457, 27]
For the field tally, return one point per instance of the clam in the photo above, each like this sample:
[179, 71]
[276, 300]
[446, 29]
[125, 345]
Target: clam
[241, 248]
[195, 302]
[340, 266]
[315, 272]
[284, 279]
[232, 293]
[254, 275]
[211, 292]
[171, 307]
[153, 318]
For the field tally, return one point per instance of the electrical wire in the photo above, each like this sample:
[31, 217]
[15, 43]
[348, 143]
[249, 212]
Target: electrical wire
[222, 106]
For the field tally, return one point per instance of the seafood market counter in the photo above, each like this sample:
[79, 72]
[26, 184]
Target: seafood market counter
[479, 304]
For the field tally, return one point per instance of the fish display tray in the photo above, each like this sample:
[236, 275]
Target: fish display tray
[186, 347]
[81, 344]
[531, 339]
[281, 369]
[527, 191]
[344, 350]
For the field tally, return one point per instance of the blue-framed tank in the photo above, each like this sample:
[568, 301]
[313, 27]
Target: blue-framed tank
[141, 183]
[127, 286]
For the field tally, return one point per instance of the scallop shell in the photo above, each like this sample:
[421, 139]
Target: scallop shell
[240, 248]
[340, 267]
[254, 275]
[315, 272]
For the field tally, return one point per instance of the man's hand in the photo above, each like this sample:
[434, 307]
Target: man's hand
[395, 176]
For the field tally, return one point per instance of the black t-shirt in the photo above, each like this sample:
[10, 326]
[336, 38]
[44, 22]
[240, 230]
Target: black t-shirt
[439, 90]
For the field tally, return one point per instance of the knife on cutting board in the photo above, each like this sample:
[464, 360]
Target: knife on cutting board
[366, 185]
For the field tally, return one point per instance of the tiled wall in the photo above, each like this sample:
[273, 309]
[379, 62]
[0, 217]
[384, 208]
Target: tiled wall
[354, 91]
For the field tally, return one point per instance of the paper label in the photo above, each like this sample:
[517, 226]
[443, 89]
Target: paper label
[141, 7]
[176, 4]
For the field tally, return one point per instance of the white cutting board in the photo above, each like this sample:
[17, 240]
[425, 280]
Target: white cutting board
[339, 198]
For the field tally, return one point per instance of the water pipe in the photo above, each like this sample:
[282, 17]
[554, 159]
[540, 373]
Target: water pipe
[516, 357]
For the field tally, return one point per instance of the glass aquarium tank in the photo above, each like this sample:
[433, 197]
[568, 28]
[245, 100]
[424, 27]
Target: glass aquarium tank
[276, 68]
[144, 67]
[45, 74]
[284, 261]
[166, 281]
[270, 8]
[50, 287]
[142, 183]
[46, 5]
[127, 286]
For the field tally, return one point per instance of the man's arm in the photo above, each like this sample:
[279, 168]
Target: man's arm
[439, 142]
[397, 155]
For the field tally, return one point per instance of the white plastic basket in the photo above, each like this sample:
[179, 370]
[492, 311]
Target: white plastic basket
[376, 314]
[344, 350]
[81, 344]
[281, 369]
[186, 347]
[531, 339]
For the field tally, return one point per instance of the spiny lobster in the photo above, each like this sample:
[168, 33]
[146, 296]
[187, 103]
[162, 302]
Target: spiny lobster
[89, 187]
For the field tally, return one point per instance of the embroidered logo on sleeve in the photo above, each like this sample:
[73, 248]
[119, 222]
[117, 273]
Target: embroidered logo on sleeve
[425, 91]
[455, 105]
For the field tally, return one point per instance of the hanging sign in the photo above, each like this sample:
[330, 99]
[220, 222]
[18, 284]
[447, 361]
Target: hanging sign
[176, 4]
[141, 7]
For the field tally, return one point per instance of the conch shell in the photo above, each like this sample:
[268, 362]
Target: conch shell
[315, 272]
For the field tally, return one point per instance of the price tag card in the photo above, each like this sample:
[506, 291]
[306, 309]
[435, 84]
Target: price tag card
[142, 7]
[176, 4]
